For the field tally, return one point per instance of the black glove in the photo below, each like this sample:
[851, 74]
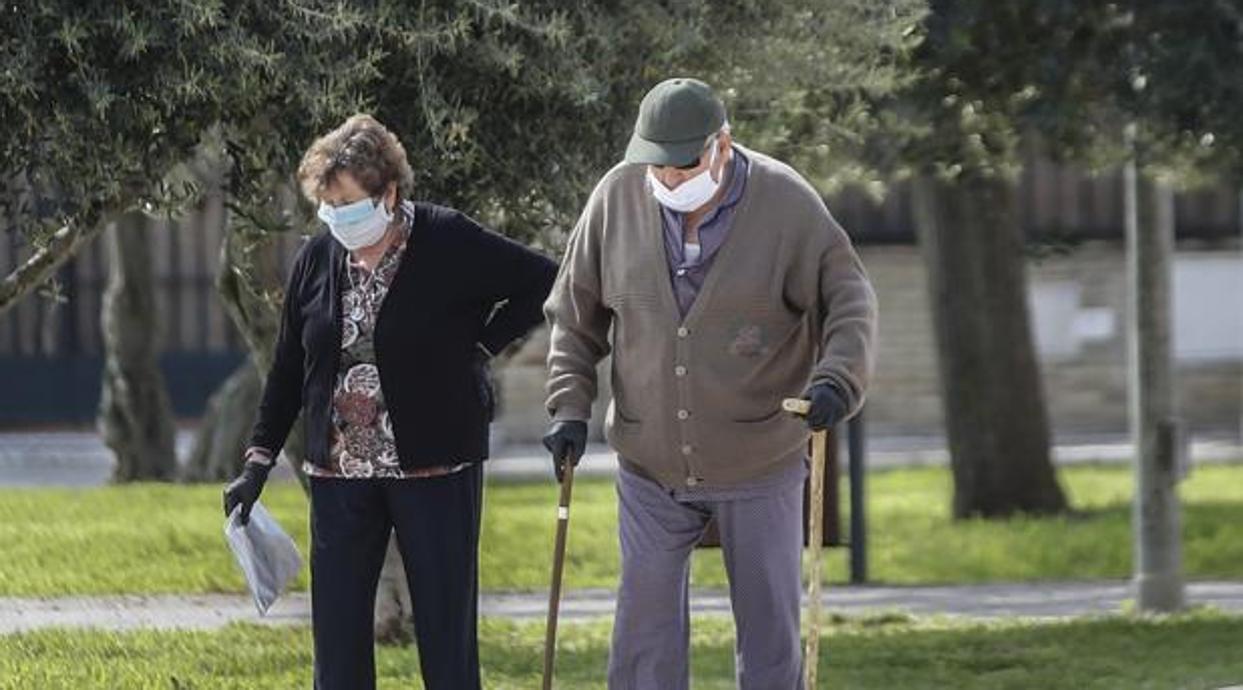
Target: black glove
[566, 440]
[827, 406]
[245, 489]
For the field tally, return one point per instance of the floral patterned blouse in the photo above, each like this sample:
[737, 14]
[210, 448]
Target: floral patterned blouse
[362, 443]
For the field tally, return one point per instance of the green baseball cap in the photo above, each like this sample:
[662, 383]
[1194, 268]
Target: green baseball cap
[675, 120]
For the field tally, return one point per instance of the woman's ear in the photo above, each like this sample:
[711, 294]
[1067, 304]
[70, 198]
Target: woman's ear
[390, 197]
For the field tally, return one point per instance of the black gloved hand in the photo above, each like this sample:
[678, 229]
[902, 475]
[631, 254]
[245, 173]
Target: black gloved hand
[827, 407]
[566, 440]
[245, 489]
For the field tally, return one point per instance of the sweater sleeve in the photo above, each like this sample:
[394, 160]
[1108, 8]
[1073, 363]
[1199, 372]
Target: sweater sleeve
[513, 276]
[847, 310]
[282, 389]
[579, 321]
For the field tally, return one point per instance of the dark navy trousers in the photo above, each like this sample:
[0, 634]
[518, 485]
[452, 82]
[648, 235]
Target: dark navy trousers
[437, 525]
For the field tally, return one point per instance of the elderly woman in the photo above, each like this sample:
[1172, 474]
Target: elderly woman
[389, 319]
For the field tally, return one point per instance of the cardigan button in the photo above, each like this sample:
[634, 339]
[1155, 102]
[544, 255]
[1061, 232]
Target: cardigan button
[679, 370]
[687, 449]
[683, 414]
[683, 331]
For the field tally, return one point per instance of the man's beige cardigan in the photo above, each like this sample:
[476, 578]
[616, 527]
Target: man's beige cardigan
[786, 304]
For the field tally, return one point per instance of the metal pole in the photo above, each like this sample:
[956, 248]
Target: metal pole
[858, 504]
[1154, 428]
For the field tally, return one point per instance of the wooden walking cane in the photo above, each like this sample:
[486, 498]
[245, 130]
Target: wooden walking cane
[558, 565]
[811, 656]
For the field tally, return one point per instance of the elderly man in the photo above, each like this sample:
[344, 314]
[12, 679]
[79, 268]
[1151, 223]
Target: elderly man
[727, 287]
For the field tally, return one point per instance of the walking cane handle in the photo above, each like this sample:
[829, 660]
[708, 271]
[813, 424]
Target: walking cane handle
[796, 405]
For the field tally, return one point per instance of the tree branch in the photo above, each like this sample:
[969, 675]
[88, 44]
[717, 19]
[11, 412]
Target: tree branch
[62, 245]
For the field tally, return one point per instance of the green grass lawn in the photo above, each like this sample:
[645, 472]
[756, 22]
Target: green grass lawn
[152, 538]
[1191, 651]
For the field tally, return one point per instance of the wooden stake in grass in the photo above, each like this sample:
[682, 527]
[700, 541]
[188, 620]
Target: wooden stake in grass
[819, 442]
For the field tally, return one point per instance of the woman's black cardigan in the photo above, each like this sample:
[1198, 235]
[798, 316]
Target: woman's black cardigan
[458, 286]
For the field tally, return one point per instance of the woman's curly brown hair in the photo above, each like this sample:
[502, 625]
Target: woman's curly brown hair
[365, 149]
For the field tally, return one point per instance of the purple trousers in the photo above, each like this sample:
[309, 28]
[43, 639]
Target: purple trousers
[761, 540]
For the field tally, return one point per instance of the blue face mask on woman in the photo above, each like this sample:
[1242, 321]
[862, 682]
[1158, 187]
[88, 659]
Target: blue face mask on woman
[356, 225]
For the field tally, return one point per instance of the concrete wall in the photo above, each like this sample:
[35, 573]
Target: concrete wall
[1078, 305]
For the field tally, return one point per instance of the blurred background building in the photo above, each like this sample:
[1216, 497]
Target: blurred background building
[51, 353]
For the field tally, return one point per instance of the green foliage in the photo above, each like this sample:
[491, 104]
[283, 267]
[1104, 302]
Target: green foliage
[1069, 76]
[97, 103]
[150, 538]
[803, 79]
[511, 110]
[1188, 57]
[507, 110]
[504, 109]
[1190, 651]
[873, 91]
[985, 67]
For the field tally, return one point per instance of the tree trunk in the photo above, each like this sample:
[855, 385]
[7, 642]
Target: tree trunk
[997, 427]
[394, 613]
[225, 428]
[249, 286]
[135, 417]
[1154, 426]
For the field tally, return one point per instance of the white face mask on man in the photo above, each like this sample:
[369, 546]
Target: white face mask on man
[692, 193]
[357, 225]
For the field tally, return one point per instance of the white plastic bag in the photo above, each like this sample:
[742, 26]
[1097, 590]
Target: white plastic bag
[267, 556]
